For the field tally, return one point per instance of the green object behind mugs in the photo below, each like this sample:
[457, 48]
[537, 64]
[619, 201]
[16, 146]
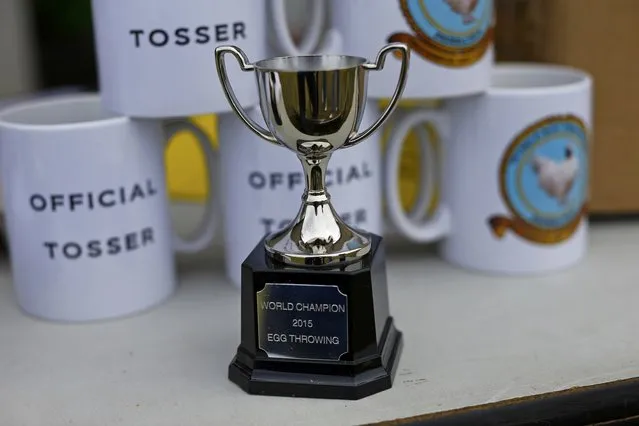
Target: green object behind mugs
[68, 17]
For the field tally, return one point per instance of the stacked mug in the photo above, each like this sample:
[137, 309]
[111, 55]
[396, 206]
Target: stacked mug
[84, 182]
[505, 190]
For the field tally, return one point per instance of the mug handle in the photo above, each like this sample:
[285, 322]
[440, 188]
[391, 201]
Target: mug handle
[312, 35]
[378, 65]
[429, 179]
[439, 224]
[206, 229]
[220, 51]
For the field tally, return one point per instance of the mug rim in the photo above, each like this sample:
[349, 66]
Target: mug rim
[562, 79]
[348, 62]
[61, 100]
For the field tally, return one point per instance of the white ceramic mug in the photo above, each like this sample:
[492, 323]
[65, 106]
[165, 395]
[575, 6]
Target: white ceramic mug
[514, 172]
[315, 37]
[262, 186]
[86, 209]
[451, 43]
[155, 58]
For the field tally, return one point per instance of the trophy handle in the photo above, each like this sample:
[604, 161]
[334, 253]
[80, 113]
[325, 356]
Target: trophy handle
[228, 90]
[378, 65]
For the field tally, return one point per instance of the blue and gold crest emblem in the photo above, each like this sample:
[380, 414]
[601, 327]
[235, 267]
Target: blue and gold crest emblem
[543, 181]
[454, 33]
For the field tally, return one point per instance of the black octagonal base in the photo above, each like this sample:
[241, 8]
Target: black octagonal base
[316, 333]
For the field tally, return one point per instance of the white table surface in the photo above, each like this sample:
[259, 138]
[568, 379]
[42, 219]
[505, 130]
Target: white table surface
[469, 339]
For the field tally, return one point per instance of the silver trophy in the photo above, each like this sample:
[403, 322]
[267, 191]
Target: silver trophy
[313, 105]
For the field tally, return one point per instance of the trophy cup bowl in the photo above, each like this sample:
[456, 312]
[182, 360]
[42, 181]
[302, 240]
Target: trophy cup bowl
[313, 105]
[315, 312]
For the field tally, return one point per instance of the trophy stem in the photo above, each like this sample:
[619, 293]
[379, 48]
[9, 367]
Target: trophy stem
[315, 179]
[317, 235]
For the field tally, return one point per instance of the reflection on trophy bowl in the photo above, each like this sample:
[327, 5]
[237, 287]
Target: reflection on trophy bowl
[312, 104]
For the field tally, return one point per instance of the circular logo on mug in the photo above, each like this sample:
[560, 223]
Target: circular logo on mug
[453, 33]
[544, 181]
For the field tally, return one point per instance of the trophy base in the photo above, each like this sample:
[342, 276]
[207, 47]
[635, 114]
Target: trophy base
[316, 333]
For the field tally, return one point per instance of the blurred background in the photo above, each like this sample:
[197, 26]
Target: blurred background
[47, 45]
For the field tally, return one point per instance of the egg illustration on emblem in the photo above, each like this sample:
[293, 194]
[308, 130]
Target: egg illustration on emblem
[451, 33]
[464, 8]
[543, 181]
